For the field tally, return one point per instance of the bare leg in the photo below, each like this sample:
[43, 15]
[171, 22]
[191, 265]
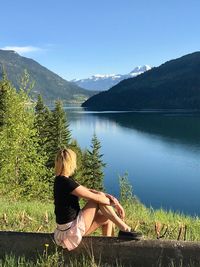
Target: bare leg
[107, 229]
[101, 221]
[93, 219]
[89, 212]
[109, 213]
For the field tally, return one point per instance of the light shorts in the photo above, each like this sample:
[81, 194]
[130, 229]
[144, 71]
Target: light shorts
[69, 235]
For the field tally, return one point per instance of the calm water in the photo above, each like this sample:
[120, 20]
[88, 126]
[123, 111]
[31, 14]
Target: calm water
[160, 152]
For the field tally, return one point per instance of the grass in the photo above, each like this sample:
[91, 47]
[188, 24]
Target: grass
[53, 260]
[38, 216]
[157, 223]
[57, 260]
[26, 216]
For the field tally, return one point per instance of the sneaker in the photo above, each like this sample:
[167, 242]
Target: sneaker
[130, 235]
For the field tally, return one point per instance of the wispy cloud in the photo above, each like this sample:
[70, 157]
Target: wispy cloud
[22, 49]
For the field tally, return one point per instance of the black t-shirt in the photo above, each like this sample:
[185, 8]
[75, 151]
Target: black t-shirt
[66, 204]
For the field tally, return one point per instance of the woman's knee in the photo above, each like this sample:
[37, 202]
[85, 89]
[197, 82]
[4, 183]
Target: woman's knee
[106, 208]
[91, 204]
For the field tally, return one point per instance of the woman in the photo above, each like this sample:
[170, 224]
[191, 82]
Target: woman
[73, 222]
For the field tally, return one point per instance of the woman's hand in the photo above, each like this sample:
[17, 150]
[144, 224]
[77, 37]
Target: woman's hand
[95, 191]
[120, 211]
[113, 200]
[115, 203]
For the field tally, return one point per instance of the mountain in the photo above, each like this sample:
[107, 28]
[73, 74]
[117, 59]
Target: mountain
[173, 85]
[47, 83]
[101, 82]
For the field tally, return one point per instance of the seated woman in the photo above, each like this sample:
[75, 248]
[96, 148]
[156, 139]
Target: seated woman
[73, 222]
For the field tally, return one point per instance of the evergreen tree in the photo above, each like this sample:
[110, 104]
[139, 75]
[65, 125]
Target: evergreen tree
[79, 171]
[59, 134]
[87, 172]
[39, 107]
[93, 165]
[4, 85]
[22, 169]
[42, 123]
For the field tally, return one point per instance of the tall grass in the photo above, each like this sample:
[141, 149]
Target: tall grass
[162, 224]
[39, 217]
[26, 216]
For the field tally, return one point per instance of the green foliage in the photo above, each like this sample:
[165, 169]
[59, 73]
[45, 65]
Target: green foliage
[42, 124]
[93, 166]
[22, 169]
[25, 84]
[59, 132]
[26, 216]
[4, 85]
[79, 172]
[126, 190]
[30, 139]
[55, 259]
[38, 216]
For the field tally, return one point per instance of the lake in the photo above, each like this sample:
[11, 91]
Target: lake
[159, 151]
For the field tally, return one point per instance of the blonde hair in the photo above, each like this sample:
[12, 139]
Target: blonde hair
[65, 162]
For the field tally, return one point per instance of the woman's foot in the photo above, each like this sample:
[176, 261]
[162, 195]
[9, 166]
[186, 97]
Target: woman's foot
[130, 235]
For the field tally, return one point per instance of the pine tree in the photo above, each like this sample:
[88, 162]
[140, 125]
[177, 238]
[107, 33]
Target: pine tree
[40, 107]
[87, 171]
[22, 169]
[79, 155]
[42, 123]
[43, 126]
[59, 134]
[93, 165]
[4, 85]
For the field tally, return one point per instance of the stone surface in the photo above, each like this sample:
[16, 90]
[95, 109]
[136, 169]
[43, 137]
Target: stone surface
[111, 250]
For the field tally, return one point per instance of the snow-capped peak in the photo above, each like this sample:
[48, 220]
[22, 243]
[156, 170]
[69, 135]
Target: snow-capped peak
[101, 82]
[103, 75]
[141, 69]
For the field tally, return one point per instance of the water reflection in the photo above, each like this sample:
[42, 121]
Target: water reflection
[161, 153]
[184, 129]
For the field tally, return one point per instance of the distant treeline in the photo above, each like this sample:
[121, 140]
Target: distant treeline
[31, 134]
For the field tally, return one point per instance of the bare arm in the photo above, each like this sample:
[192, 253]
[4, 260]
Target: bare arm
[98, 197]
[113, 200]
[86, 193]
[94, 191]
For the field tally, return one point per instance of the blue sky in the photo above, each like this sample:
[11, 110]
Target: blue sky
[79, 38]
